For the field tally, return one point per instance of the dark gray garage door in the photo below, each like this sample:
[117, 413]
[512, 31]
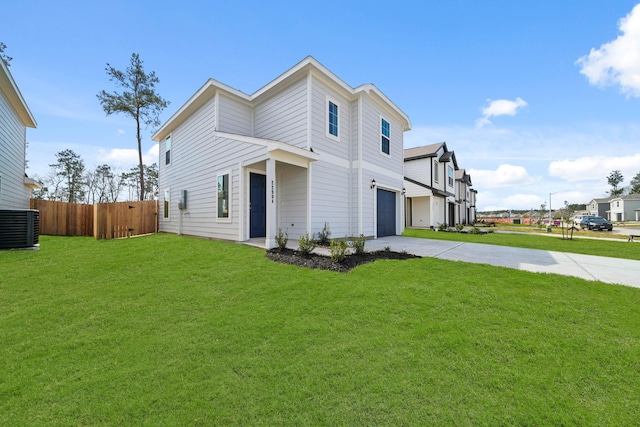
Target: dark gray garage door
[386, 213]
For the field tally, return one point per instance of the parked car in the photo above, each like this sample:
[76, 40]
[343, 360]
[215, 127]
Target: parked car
[595, 223]
[577, 219]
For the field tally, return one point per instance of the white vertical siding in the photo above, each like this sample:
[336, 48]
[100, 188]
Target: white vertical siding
[13, 193]
[283, 116]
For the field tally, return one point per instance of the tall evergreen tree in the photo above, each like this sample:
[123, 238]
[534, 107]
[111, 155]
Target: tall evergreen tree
[614, 179]
[635, 184]
[138, 100]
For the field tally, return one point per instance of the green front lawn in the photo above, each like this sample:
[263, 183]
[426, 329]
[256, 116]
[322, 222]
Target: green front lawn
[173, 330]
[599, 247]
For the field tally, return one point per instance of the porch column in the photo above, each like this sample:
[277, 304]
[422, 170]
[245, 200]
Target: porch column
[272, 229]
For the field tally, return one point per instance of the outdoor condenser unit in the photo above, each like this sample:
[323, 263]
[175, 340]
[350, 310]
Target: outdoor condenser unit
[19, 228]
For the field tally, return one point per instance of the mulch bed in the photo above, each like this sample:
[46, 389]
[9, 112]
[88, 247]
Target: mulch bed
[289, 256]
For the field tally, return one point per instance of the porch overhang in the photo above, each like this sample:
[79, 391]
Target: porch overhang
[287, 153]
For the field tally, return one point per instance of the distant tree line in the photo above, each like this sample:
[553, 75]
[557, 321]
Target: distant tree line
[69, 181]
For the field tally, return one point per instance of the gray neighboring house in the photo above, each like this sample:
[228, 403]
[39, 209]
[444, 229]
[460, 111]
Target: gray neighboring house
[625, 208]
[304, 150]
[15, 187]
[599, 207]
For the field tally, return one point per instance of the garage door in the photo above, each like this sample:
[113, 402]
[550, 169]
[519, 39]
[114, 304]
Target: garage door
[386, 213]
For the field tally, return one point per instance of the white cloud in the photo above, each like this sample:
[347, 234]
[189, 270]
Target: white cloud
[504, 176]
[121, 131]
[128, 157]
[500, 107]
[617, 62]
[595, 168]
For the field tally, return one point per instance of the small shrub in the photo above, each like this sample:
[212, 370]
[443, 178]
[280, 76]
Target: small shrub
[338, 250]
[475, 230]
[442, 227]
[282, 239]
[358, 244]
[306, 244]
[323, 236]
[459, 227]
[387, 249]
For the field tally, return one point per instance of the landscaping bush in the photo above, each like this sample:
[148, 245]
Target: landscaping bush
[282, 239]
[306, 244]
[442, 227]
[338, 250]
[323, 236]
[358, 244]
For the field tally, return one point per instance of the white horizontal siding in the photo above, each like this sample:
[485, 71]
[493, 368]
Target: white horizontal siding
[320, 142]
[234, 116]
[13, 193]
[283, 117]
[371, 137]
[330, 198]
[421, 212]
[419, 170]
[292, 200]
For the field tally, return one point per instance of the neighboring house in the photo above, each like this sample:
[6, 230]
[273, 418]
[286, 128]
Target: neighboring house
[464, 211]
[429, 179]
[15, 117]
[599, 207]
[625, 208]
[304, 150]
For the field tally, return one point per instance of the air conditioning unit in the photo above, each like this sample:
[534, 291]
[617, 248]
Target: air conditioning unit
[19, 228]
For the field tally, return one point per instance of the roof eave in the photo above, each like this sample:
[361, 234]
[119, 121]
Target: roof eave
[11, 91]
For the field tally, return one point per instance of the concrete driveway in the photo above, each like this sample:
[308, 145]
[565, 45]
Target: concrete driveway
[589, 267]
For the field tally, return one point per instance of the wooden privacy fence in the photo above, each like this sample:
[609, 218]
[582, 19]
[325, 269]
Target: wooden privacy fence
[102, 220]
[64, 219]
[124, 219]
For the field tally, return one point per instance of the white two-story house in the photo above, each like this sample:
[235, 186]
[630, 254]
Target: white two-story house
[430, 186]
[304, 150]
[15, 117]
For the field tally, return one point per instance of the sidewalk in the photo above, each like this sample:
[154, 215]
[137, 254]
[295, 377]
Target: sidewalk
[589, 267]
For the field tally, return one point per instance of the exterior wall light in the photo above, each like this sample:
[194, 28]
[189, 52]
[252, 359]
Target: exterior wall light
[373, 183]
[404, 191]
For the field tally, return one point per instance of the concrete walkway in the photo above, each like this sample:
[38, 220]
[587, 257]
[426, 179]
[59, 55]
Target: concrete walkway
[589, 267]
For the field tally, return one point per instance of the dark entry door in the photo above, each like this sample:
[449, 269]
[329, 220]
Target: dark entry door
[386, 213]
[258, 205]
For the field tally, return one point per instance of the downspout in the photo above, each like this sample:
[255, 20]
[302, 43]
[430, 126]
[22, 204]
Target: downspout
[360, 230]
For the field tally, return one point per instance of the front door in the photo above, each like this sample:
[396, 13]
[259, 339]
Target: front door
[386, 213]
[257, 205]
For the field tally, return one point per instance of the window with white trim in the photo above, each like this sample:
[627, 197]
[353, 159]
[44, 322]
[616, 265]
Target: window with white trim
[167, 150]
[436, 171]
[224, 187]
[166, 204]
[450, 173]
[333, 119]
[385, 136]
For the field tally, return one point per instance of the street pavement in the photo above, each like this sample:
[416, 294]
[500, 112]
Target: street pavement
[589, 267]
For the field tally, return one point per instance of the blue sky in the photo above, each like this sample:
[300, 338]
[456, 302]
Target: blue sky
[534, 97]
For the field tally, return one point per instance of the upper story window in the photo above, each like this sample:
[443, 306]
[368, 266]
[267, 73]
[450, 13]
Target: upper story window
[333, 119]
[167, 150]
[436, 171]
[450, 175]
[385, 136]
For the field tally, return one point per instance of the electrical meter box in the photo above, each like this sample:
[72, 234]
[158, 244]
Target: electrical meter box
[182, 203]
